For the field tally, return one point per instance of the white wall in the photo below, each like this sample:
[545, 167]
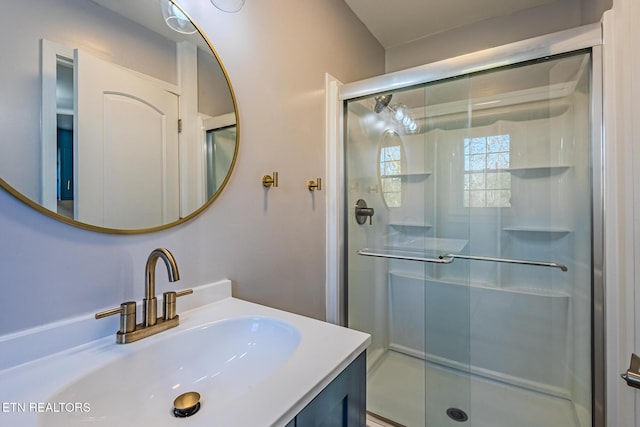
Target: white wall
[270, 243]
[522, 25]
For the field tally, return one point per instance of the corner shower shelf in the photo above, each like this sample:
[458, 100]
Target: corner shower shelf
[413, 177]
[538, 168]
[410, 224]
[427, 246]
[536, 229]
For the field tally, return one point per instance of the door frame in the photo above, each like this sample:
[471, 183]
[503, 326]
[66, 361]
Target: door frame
[585, 37]
[49, 53]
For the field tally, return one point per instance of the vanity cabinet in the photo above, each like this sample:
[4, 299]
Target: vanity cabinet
[341, 404]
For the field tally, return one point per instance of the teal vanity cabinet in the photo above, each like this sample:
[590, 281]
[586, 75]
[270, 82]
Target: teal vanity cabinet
[342, 403]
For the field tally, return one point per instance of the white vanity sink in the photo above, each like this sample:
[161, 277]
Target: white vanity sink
[220, 361]
[252, 365]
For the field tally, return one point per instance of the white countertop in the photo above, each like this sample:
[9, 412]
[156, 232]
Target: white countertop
[323, 352]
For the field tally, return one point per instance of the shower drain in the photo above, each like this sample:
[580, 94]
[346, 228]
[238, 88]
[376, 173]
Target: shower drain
[457, 414]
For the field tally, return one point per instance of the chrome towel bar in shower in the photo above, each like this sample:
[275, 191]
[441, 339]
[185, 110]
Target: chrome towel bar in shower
[507, 260]
[403, 255]
[449, 258]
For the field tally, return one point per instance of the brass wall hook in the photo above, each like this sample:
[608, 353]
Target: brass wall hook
[269, 181]
[317, 185]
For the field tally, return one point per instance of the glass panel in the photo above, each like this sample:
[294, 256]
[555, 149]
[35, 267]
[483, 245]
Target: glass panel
[447, 311]
[412, 317]
[530, 328]
[219, 153]
[503, 173]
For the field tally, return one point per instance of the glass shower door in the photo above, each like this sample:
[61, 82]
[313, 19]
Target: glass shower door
[394, 164]
[469, 246]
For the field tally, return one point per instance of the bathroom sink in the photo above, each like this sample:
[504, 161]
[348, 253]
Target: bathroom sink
[252, 366]
[221, 361]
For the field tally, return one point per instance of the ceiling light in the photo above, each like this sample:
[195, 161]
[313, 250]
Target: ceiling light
[228, 5]
[175, 18]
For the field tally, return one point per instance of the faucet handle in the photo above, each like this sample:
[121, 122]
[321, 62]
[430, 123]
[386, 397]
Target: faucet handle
[127, 311]
[169, 302]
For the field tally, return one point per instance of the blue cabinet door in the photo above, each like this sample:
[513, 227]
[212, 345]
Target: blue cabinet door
[342, 403]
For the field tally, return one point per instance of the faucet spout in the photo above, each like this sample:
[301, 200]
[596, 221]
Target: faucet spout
[150, 305]
[151, 324]
[150, 270]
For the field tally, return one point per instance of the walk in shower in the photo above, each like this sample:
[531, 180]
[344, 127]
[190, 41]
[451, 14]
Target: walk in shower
[473, 241]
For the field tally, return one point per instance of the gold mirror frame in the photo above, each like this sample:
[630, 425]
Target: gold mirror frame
[67, 220]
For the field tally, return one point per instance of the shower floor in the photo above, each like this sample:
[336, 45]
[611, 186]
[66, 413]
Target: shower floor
[396, 391]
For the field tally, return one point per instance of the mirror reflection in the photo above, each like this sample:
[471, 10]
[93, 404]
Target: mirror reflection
[117, 115]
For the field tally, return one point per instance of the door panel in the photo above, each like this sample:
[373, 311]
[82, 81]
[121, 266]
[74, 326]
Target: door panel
[110, 101]
[65, 164]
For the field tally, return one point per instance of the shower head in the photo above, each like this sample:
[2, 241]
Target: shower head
[381, 102]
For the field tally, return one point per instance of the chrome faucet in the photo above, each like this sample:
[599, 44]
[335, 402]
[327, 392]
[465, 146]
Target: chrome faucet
[151, 324]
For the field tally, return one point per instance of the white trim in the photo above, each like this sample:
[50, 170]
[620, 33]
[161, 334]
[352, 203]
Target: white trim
[631, 91]
[620, 255]
[49, 53]
[334, 188]
[217, 122]
[192, 172]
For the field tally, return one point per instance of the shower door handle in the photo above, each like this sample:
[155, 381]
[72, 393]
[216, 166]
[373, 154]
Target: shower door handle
[632, 376]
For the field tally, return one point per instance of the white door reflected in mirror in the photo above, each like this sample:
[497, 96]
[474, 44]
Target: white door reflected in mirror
[125, 123]
[111, 174]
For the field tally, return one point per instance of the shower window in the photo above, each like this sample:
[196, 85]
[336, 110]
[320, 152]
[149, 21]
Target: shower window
[391, 169]
[487, 182]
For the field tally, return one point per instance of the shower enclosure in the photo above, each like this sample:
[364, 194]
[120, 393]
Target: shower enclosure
[473, 241]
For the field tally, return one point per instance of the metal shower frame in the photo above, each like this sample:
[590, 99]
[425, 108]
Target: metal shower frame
[580, 38]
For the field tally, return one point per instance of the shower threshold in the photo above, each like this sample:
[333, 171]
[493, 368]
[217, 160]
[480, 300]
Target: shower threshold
[374, 420]
[399, 385]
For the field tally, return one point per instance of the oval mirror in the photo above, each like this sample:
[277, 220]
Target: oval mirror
[117, 115]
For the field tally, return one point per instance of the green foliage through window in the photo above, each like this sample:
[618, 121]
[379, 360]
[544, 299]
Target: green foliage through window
[487, 182]
[390, 170]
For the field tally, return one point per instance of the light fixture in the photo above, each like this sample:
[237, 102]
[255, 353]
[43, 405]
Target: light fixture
[175, 18]
[399, 112]
[404, 116]
[228, 5]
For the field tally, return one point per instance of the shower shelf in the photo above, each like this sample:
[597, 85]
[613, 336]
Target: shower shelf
[523, 170]
[413, 177]
[534, 229]
[426, 245]
[408, 224]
